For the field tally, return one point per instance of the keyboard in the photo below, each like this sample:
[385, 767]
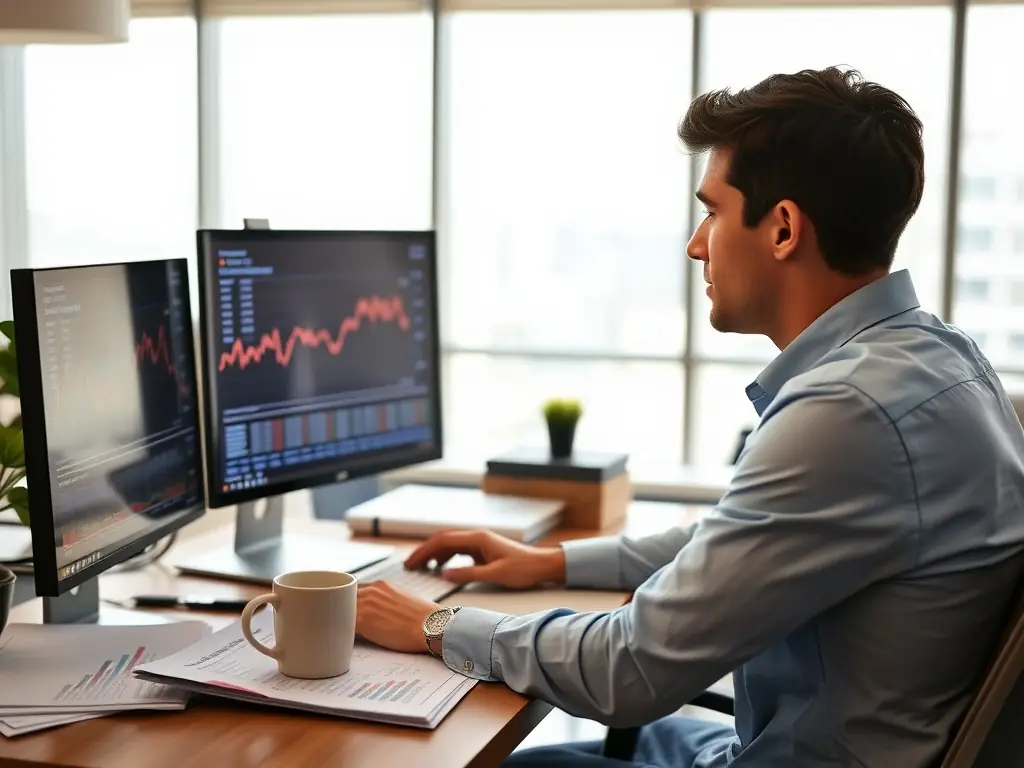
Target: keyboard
[426, 584]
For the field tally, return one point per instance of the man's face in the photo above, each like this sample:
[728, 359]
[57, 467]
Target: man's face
[737, 259]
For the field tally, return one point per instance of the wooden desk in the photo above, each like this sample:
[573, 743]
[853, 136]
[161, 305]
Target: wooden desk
[481, 731]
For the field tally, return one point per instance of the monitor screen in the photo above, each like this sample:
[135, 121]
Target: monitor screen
[320, 357]
[110, 415]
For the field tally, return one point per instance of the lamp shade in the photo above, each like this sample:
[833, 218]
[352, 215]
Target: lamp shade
[23, 22]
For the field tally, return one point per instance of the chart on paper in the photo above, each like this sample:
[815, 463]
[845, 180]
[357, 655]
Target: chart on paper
[62, 669]
[109, 681]
[375, 676]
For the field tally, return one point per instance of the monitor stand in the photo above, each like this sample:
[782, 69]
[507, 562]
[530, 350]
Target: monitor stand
[82, 605]
[263, 551]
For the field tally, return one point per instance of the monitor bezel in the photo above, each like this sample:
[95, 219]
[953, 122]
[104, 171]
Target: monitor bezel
[216, 497]
[30, 384]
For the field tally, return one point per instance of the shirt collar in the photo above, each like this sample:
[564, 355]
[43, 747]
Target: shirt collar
[874, 303]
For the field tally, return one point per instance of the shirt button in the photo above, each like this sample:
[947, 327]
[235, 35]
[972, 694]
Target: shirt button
[468, 666]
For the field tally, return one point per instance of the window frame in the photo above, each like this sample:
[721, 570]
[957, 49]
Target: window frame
[14, 250]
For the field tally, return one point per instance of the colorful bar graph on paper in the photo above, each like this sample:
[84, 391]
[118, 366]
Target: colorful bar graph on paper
[382, 691]
[401, 692]
[68, 691]
[108, 673]
[99, 674]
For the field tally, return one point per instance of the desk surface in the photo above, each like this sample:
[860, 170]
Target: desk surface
[481, 731]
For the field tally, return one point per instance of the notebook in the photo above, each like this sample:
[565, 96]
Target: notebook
[418, 511]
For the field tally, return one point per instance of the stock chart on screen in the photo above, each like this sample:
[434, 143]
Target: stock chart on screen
[321, 350]
[120, 404]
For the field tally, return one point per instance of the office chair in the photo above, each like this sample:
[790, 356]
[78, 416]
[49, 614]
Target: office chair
[989, 735]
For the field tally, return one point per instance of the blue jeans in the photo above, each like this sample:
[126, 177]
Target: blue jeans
[673, 742]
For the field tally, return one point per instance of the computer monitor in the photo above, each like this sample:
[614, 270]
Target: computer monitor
[113, 453]
[319, 364]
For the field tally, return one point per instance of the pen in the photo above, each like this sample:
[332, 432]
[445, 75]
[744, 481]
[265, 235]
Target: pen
[188, 603]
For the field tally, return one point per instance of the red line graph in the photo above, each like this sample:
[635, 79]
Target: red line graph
[158, 352]
[373, 309]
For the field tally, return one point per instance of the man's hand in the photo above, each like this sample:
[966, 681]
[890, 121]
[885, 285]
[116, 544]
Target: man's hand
[498, 560]
[392, 618]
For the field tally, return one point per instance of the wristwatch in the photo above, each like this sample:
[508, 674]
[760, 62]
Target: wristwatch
[435, 625]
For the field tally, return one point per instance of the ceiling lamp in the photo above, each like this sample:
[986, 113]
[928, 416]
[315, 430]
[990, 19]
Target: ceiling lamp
[23, 22]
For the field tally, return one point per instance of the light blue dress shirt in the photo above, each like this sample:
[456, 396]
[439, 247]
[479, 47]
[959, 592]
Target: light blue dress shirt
[855, 577]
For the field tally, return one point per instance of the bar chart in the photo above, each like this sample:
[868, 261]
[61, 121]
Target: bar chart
[392, 690]
[107, 683]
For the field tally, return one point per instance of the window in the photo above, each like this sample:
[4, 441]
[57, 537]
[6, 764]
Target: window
[980, 338]
[723, 411]
[1017, 293]
[970, 239]
[972, 289]
[325, 122]
[112, 148]
[493, 404]
[566, 190]
[981, 188]
[742, 47]
[1016, 344]
[991, 142]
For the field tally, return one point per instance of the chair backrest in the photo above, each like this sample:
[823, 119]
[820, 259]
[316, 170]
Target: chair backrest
[1002, 690]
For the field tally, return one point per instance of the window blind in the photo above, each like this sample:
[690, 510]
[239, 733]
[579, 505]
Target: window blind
[630, 5]
[144, 8]
[221, 8]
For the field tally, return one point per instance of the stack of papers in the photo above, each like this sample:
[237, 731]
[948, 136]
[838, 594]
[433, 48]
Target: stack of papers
[382, 686]
[53, 675]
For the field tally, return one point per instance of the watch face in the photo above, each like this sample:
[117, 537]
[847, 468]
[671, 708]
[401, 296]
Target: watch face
[437, 621]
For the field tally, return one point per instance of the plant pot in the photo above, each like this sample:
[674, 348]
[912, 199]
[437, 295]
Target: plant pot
[7, 579]
[561, 437]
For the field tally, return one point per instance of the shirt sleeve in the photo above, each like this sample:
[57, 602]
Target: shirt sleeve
[619, 562]
[822, 504]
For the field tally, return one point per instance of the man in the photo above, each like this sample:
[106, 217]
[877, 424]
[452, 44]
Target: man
[857, 573]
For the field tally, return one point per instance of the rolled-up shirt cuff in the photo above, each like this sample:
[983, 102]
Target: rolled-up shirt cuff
[468, 638]
[593, 563]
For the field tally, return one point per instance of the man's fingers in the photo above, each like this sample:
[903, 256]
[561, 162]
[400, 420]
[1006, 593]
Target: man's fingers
[490, 572]
[444, 546]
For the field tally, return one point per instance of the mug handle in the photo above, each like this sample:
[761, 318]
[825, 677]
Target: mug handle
[274, 602]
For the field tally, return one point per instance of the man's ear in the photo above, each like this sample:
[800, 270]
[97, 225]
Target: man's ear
[786, 227]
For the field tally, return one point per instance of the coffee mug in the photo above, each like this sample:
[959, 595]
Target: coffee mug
[314, 623]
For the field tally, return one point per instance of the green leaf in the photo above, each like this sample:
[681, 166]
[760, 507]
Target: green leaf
[9, 373]
[12, 447]
[16, 422]
[7, 329]
[18, 498]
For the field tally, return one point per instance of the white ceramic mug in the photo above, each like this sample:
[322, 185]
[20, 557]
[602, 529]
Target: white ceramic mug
[314, 623]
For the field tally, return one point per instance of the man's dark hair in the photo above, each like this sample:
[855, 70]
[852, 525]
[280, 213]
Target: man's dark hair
[847, 151]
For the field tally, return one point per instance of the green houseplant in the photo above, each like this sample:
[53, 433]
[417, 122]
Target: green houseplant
[13, 494]
[562, 416]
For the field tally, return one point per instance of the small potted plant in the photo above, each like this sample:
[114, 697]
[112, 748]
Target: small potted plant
[562, 417]
[13, 494]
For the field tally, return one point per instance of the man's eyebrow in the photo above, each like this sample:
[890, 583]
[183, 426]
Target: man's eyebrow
[705, 199]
